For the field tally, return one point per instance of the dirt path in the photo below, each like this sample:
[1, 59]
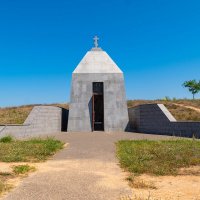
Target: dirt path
[86, 170]
[191, 107]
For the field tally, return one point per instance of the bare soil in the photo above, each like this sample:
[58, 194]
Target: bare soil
[186, 106]
[181, 187]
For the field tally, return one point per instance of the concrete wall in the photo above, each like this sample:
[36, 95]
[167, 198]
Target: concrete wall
[156, 119]
[115, 107]
[41, 120]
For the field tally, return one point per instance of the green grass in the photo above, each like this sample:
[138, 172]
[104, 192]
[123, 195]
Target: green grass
[32, 150]
[158, 157]
[23, 169]
[6, 139]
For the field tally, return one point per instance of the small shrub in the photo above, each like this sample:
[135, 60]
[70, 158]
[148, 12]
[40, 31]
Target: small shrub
[23, 169]
[166, 98]
[5, 173]
[137, 182]
[6, 139]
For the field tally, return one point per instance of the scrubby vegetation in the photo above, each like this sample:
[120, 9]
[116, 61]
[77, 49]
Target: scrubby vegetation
[23, 169]
[166, 100]
[4, 187]
[17, 115]
[182, 113]
[14, 115]
[33, 150]
[4, 176]
[158, 157]
[176, 107]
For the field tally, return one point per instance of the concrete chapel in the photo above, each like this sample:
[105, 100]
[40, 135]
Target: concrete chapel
[97, 100]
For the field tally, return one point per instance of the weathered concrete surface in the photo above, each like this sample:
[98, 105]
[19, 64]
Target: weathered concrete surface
[41, 120]
[156, 119]
[86, 170]
[97, 62]
[97, 66]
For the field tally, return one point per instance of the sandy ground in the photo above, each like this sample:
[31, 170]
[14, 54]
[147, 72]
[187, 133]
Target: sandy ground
[87, 169]
[191, 107]
[181, 187]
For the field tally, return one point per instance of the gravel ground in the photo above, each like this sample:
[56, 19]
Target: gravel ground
[86, 169]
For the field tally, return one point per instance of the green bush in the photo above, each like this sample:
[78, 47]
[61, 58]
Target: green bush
[6, 139]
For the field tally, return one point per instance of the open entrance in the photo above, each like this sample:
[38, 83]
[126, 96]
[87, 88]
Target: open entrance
[97, 107]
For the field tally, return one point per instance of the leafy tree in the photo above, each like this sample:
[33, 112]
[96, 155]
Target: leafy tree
[193, 86]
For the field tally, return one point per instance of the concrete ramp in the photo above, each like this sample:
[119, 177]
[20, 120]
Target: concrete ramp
[156, 119]
[41, 120]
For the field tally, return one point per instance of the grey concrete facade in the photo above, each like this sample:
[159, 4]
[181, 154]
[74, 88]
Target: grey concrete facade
[97, 66]
[42, 120]
[115, 108]
[156, 119]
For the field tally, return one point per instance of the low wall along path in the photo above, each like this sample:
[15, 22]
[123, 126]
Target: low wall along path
[156, 119]
[41, 120]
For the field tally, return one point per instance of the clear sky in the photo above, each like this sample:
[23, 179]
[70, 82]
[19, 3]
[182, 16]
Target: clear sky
[156, 43]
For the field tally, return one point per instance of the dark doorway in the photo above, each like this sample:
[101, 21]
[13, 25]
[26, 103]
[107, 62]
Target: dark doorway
[97, 107]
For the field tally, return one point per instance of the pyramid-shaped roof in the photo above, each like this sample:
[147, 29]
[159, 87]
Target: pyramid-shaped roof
[97, 61]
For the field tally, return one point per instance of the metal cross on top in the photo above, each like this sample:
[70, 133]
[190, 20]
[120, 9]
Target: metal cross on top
[96, 41]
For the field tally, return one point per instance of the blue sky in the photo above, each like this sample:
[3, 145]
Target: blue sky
[156, 44]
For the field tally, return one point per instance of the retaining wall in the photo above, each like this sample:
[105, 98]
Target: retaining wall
[156, 119]
[41, 120]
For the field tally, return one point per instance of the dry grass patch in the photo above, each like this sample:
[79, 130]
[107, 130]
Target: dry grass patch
[139, 197]
[193, 103]
[183, 114]
[17, 115]
[137, 182]
[14, 115]
[4, 186]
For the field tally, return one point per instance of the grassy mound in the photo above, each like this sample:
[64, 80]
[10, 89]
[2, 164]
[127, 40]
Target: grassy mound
[14, 115]
[158, 157]
[179, 112]
[17, 115]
